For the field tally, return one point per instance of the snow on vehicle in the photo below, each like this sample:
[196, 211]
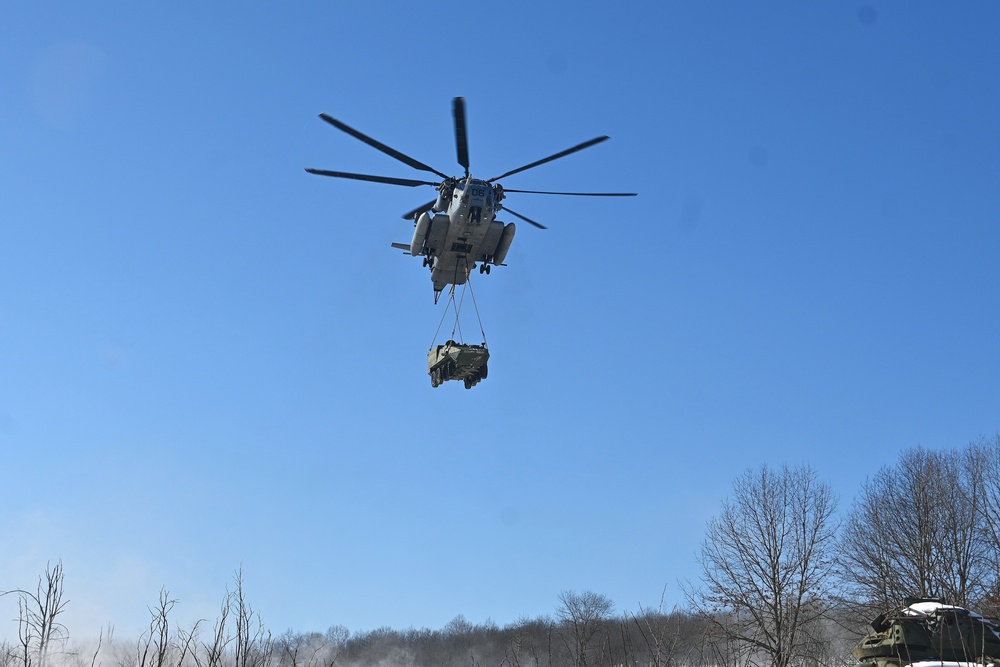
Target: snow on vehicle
[926, 631]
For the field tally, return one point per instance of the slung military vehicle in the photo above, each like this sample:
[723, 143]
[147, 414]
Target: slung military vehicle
[458, 361]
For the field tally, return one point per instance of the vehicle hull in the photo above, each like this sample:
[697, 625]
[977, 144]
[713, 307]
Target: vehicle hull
[457, 361]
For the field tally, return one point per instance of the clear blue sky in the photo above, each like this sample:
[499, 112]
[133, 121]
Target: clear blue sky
[211, 359]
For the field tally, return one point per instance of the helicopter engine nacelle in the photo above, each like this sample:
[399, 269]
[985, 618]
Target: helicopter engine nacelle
[488, 246]
[503, 245]
[437, 232]
[420, 233]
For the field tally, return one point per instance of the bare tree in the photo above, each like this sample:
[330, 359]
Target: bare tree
[239, 637]
[767, 564]
[917, 528]
[9, 656]
[984, 458]
[152, 647]
[528, 643]
[38, 626]
[660, 636]
[158, 646]
[216, 650]
[583, 614]
[311, 649]
[982, 462]
[253, 643]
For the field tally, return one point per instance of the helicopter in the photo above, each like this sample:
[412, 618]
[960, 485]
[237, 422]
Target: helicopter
[459, 227]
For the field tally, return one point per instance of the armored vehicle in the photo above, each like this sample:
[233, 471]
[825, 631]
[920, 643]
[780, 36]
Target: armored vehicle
[926, 631]
[457, 361]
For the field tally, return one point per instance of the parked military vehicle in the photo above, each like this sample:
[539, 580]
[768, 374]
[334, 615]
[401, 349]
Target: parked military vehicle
[926, 631]
[457, 361]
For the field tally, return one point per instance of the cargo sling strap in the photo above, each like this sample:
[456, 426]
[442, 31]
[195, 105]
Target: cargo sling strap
[457, 305]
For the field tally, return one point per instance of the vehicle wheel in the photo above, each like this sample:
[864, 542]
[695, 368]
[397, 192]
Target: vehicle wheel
[483, 372]
[468, 383]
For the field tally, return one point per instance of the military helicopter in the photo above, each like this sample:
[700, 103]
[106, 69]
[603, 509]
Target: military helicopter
[458, 228]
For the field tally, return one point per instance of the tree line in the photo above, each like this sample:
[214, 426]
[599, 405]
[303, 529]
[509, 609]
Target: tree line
[787, 580]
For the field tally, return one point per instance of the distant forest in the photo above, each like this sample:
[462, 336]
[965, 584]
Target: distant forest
[787, 580]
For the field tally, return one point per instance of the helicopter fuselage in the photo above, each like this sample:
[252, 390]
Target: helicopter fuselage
[460, 230]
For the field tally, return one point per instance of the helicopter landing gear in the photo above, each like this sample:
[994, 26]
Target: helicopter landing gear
[484, 268]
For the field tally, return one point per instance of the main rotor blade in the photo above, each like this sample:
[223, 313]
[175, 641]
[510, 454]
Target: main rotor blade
[568, 151]
[409, 182]
[576, 194]
[420, 209]
[405, 159]
[461, 137]
[528, 220]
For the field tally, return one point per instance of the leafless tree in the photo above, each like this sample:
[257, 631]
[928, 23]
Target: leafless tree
[9, 656]
[917, 528]
[311, 649]
[253, 644]
[529, 643]
[982, 461]
[583, 614]
[38, 626]
[151, 650]
[767, 564]
[158, 646]
[984, 458]
[660, 635]
[215, 651]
